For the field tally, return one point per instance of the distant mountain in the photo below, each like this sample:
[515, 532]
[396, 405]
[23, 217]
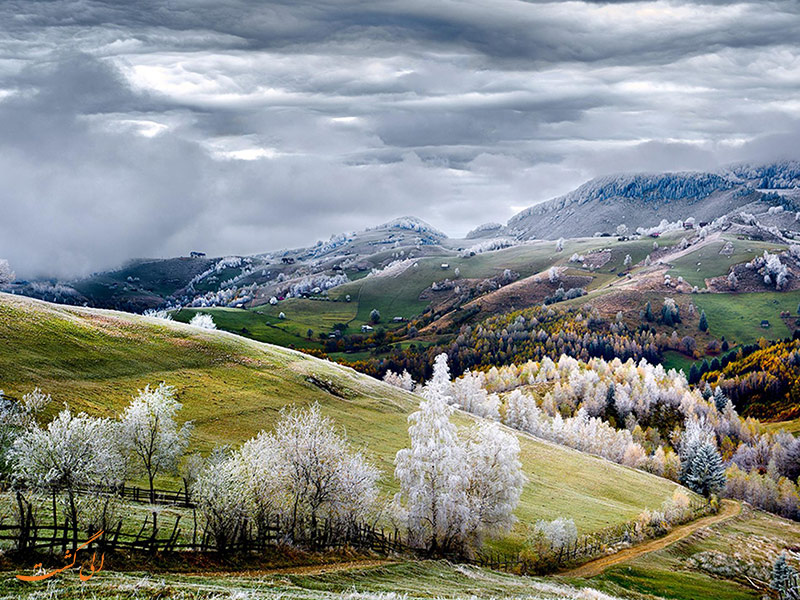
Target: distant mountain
[643, 200]
[776, 176]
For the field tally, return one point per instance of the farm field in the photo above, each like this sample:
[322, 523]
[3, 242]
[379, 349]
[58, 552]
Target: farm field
[232, 387]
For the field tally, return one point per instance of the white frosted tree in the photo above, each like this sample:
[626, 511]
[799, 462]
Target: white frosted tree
[433, 473]
[221, 498]
[560, 245]
[403, 381]
[622, 230]
[469, 395]
[696, 433]
[71, 452]
[203, 321]
[158, 314]
[263, 473]
[151, 435]
[323, 477]
[706, 473]
[628, 261]
[496, 480]
[559, 533]
[7, 275]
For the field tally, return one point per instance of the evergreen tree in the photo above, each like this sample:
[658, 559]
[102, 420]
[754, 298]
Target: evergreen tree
[703, 321]
[784, 579]
[694, 374]
[648, 311]
[720, 399]
[706, 473]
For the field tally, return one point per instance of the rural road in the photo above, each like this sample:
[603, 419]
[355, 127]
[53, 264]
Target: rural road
[592, 568]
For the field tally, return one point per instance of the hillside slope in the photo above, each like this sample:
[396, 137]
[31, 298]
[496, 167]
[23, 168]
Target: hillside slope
[233, 387]
[639, 200]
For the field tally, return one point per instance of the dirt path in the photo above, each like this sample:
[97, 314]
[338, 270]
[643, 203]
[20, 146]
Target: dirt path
[729, 510]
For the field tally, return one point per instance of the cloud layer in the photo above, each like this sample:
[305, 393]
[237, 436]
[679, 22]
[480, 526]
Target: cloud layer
[151, 129]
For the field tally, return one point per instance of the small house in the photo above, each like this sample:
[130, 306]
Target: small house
[197, 254]
[398, 319]
[366, 328]
[655, 235]
[287, 260]
[445, 266]
[765, 324]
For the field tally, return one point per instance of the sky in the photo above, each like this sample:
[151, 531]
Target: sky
[152, 128]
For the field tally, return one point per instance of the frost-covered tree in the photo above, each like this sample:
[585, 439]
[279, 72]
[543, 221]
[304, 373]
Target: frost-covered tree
[203, 321]
[559, 533]
[404, 381]
[622, 230]
[375, 316]
[433, 473]
[706, 473]
[317, 460]
[71, 452]
[560, 245]
[16, 417]
[670, 312]
[628, 261]
[495, 482]
[733, 281]
[470, 395]
[190, 469]
[552, 274]
[158, 314]
[647, 261]
[151, 435]
[696, 433]
[6, 273]
[221, 498]
[784, 579]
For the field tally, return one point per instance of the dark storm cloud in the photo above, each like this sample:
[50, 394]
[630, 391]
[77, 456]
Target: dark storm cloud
[150, 128]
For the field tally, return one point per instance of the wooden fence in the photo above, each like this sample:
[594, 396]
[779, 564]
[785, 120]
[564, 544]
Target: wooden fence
[158, 534]
[126, 492]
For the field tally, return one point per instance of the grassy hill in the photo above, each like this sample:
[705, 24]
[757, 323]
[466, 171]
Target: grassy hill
[232, 387]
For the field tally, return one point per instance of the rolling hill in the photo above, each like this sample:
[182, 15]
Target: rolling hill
[232, 387]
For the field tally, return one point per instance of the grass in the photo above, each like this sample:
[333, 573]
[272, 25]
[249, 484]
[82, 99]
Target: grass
[253, 325]
[232, 388]
[738, 316]
[304, 314]
[404, 580]
[712, 263]
[792, 426]
[677, 361]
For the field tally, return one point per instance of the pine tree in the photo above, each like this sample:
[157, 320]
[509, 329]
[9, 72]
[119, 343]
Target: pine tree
[720, 399]
[694, 374]
[703, 321]
[648, 312]
[784, 579]
[706, 473]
